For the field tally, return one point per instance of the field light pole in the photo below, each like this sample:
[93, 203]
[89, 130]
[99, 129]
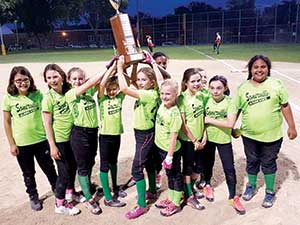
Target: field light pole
[137, 20]
[2, 42]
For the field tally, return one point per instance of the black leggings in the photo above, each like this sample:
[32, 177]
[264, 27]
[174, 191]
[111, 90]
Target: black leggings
[144, 145]
[175, 178]
[66, 167]
[41, 152]
[109, 151]
[84, 143]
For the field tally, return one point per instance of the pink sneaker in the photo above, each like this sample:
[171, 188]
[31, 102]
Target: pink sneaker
[163, 204]
[237, 205]
[136, 212]
[170, 210]
[208, 193]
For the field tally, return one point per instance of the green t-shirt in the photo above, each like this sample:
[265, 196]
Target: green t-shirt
[168, 121]
[145, 109]
[192, 107]
[26, 117]
[219, 111]
[261, 109]
[62, 120]
[83, 108]
[111, 114]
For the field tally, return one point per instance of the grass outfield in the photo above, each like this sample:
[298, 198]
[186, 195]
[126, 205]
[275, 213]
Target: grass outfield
[278, 52]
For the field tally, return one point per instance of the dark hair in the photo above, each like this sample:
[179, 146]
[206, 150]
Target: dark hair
[66, 86]
[112, 81]
[149, 72]
[252, 61]
[223, 80]
[187, 75]
[159, 54]
[11, 88]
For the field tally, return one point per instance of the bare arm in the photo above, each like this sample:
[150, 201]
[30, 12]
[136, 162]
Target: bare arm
[8, 131]
[288, 116]
[50, 135]
[172, 144]
[228, 123]
[91, 82]
[106, 75]
[122, 81]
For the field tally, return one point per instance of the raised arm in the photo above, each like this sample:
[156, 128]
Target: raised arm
[149, 59]
[288, 116]
[124, 88]
[8, 131]
[106, 75]
[91, 82]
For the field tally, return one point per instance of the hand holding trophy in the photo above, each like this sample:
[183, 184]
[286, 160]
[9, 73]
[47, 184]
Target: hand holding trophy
[124, 38]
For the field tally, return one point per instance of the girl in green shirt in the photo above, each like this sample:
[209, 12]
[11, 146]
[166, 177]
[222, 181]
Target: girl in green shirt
[263, 102]
[22, 118]
[58, 123]
[144, 119]
[84, 134]
[220, 117]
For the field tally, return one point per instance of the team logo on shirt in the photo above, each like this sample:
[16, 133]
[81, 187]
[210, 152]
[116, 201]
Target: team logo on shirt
[216, 114]
[197, 110]
[88, 104]
[253, 99]
[26, 109]
[113, 108]
[63, 107]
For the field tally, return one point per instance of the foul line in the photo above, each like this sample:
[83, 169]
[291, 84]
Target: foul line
[296, 107]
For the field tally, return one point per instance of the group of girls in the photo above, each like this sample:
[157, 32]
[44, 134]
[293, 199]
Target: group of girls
[168, 129]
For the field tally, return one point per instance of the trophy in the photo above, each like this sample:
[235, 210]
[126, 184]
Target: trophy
[125, 41]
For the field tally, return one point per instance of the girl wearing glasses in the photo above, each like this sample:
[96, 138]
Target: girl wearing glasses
[25, 132]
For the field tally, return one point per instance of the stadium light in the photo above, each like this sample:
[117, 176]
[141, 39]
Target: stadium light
[64, 34]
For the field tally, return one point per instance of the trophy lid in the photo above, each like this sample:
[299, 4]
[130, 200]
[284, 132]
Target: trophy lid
[116, 4]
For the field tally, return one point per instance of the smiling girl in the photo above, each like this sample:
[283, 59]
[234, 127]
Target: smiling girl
[58, 123]
[22, 117]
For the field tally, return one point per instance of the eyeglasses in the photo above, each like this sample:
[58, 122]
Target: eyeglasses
[20, 81]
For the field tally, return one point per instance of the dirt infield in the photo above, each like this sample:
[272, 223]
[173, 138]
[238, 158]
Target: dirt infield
[14, 201]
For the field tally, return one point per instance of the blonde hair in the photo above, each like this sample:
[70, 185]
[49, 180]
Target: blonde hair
[75, 69]
[149, 72]
[171, 83]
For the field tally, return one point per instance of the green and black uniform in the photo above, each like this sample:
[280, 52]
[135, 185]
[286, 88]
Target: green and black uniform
[84, 135]
[262, 126]
[62, 122]
[168, 121]
[110, 139]
[192, 109]
[30, 137]
[221, 138]
[145, 109]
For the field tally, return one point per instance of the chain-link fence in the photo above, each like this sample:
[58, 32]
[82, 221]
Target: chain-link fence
[276, 24]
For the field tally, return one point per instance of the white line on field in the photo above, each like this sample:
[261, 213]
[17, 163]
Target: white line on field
[296, 107]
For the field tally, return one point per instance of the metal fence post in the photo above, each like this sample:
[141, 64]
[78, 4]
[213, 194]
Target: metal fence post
[166, 36]
[297, 21]
[275, 24]
[239, 33]
[207, 25]
[192, 28]
[256, 25]
[223, 15]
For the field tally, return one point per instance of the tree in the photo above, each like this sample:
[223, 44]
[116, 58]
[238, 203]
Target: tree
[240, 4]
[95, 12]
[6, 10]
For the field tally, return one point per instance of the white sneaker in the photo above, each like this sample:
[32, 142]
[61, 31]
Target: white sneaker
[75, 196]
[67, 209]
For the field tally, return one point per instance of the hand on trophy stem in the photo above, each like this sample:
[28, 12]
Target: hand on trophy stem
[148, 57]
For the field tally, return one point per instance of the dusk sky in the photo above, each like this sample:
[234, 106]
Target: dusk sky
[163, 7]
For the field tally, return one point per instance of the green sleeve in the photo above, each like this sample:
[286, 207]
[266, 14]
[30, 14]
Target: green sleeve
[176, 122]
[47, 104]
[282, 93]
[5, 104]
[147, 96]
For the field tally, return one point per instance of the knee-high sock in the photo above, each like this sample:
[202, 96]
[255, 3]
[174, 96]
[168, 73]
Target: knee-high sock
[270, 181]
[85, 186]
[141, 190]
[252, 179]
[105, 185]
[152, 182]
[113, 171]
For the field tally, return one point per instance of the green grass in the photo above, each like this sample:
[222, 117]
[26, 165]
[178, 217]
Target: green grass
[276, 52]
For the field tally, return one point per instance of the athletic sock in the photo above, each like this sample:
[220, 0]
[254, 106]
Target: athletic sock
[177, 197]
[171, 194]
[105, 185]
[85, 186]
[252, 179]
[270, 181]
[188, 189]
[232, 190]
[141, 191]
[152, 182]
